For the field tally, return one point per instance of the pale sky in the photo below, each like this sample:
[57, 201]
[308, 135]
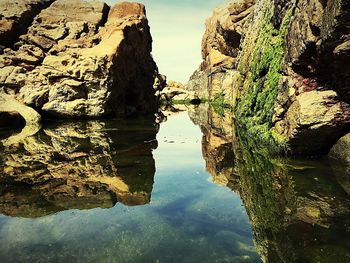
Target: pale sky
[177, 28]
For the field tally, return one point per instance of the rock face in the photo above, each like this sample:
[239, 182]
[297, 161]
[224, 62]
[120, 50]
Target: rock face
[83, 59]
[16, 17]
[80, 165]
[176, 92]
[220, 48]
[288, 78]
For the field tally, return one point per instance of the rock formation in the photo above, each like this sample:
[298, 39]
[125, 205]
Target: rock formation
[79, 58]
[284, 67]
[16, 17]
[220, 48]
[175, 92]
[80, 165]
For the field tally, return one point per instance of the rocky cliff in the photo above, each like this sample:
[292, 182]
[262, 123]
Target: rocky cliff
[76, 58]
[220, 48]
[284, 67]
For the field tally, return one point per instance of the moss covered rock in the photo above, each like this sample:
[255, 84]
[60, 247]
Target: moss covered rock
[290, 79]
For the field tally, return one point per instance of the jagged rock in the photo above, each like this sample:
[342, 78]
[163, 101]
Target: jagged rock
[286, 50]
[224, 30]
[220, 48]
[16, 17]
[176, 92]
[84, 59]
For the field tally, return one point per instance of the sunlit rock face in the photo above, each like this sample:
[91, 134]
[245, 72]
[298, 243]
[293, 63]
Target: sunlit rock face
[79, 165]
[285, 69]
[16, 17]
[299, 210]
[220, 48]
[83, 59]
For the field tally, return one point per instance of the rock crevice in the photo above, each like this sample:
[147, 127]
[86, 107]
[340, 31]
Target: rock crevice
[16, 17]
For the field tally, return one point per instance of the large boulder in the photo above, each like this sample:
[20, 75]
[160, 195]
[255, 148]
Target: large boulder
[84, 59]
[176, 92]
[14, 113]
[341, 150]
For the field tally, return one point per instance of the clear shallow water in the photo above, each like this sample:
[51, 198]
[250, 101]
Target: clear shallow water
[188, 190]
[188, 219]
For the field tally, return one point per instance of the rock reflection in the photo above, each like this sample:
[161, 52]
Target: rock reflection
[298, 210]
[78, 165]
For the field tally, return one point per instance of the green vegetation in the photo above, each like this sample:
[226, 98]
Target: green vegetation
[219, 104]
[254, 110]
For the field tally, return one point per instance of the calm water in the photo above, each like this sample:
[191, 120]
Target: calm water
[187, 190]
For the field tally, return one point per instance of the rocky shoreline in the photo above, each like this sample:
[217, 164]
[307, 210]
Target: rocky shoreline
[77, 59]
[283, 67]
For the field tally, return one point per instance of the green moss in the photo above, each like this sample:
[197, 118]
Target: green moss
[255, 109]
[180, 102]
[219, 104]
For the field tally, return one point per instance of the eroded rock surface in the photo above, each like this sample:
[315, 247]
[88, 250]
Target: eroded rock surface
[176, 92]
[16, 17]
[220, 48]
[83, 59]
[284, 67]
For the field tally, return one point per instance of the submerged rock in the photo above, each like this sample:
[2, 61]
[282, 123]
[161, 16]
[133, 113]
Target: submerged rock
[83, 59]
[284, 67]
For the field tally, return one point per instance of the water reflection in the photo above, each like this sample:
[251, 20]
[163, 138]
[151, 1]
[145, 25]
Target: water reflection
[93, 165]
[298, 209]
[54, 183]
[78, 165]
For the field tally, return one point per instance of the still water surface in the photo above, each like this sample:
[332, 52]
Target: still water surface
[187, 217]
[137, 191]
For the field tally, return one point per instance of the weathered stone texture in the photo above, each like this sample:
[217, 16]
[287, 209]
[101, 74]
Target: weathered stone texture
[291, 66]
[83, 59]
